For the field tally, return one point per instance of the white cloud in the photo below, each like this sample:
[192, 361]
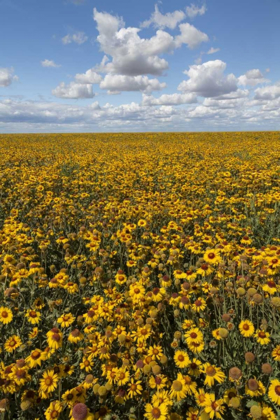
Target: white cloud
[213, 50]
[230, 100]
[36, 116]
[169, 20]
[190, 36]
[208, 79]
[49, 63]
[6, 76]
[73, 91]
[118, 83]
[268, 92]
[252, 78]
[77, 37]
[133, 55]
[193, 11]
[171, 99]
[90, 76]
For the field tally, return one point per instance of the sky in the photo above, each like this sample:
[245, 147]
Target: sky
[108, 66]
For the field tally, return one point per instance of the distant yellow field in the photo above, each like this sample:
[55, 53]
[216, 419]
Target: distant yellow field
[140, 276]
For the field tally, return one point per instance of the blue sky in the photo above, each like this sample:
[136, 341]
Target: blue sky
[79, 66]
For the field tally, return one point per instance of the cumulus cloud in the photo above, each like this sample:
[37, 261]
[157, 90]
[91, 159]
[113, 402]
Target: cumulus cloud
[118, 83]
[73, 91]
[169, 20]
[252, 78]
[231, 100]
[6, 76]
[190, 36]
[268, 92]
[208, 79]
[192, 10]
[49, 63]
[89, 77]
[213, 50]
[77, 37]
[133, 55]
[23, 115]
[171, 99]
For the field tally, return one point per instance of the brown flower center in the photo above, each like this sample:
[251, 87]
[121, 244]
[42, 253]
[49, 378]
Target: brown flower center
[210, 371]
[48, 381]
[277, 390]
[156, 413]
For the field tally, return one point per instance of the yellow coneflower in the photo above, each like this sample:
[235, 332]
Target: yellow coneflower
[156, 411]
[155, 352]
[54, 410]
[192, 414]
[213, 408]
[181, 359]
[33, 334]
[35, 358]
[262, 337]
[54, 338]
[6, 315]
[20, 375]
[195, 367]
[86, 364]
[49, 381]
[199, 305]
[158, 381]
[134, 388]
[66, 320]
[69, 397]
[12, 343]
[34, 317]
[178, 390]
[246, 328]
[75, 336]
[212, 374]
[189, 385]
[212, 256]
[274, 391]
[122, 377]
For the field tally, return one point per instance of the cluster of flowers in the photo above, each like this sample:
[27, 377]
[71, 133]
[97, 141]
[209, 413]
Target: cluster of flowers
[140, 277]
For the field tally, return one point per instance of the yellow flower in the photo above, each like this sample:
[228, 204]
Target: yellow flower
[212, 256]
[134, 388]
[199, 305]
[212, 374]
[33, 317]
[158, 382]
[49, 381]
[276, 353]
[54, 410]
[182, 359]
[262, 337]
[274, 391]
[156, 411]
[246, 328]
[122, 376]
[178, 390]
[75, 336]
[12, 343]
[66, 320]
[155, 352]
[35, 358]
[6, 315]
[54, 338]
[194, 367]
[212, 408]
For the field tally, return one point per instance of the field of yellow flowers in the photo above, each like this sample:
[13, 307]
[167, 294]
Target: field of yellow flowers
[140, 276]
